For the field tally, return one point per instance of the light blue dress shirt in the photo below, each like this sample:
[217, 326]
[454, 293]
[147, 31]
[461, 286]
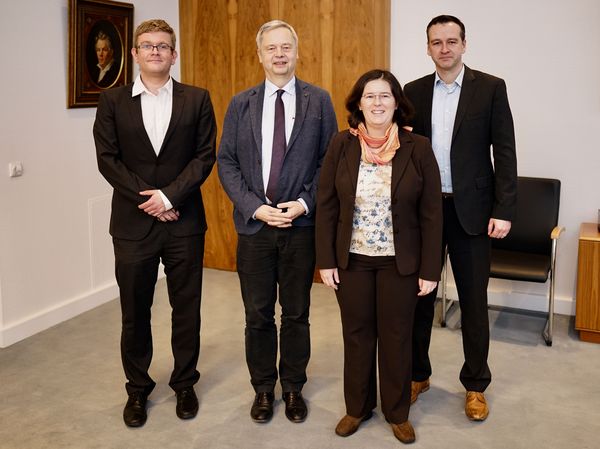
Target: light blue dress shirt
[443, 113]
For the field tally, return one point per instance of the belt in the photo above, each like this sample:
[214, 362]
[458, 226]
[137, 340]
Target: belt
[447, 195]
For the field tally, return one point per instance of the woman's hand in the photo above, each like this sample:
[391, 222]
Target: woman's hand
[330, 277]
[426, 287]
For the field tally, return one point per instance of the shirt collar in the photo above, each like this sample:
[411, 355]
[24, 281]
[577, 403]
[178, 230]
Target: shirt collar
[458, 80]
[271, 89]
[139, 88]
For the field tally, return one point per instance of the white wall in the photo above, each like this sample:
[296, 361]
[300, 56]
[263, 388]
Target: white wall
[546, 50]
[55, 252]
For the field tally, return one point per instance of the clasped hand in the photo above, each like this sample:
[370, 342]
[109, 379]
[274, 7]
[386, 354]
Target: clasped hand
[280, 216]
[155, 207]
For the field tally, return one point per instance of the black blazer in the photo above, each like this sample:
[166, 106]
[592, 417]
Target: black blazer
[416, 205]
[481, 189]
[127, 159]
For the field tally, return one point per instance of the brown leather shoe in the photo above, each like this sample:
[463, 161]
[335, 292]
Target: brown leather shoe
[404, 432]
[416, 388]
[349, 424]
[476, 407]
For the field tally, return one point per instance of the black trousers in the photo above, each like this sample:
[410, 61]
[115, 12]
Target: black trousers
[277, 259]
[136, 271]
[377, 307]
[470, 257]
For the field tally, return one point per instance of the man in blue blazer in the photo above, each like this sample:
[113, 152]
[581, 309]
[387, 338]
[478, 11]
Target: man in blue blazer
[274, 139]
[465, 112]
[155, 144]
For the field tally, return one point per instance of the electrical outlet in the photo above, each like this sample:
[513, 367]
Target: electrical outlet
[15, 169]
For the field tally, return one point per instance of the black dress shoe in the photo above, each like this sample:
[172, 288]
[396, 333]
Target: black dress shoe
[295, 407]
[262, 407]
[134, 413]
[187, 403]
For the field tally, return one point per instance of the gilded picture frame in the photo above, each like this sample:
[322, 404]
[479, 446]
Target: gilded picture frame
[100, 41]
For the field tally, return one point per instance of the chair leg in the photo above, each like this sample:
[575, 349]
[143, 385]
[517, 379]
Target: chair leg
[547, 334]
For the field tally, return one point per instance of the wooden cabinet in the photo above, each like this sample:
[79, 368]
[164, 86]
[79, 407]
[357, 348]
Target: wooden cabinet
[587, 316]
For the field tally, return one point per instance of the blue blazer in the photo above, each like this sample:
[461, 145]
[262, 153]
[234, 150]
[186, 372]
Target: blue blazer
[240, 153]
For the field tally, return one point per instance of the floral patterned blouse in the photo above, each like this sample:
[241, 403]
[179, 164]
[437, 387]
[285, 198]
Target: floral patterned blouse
[372, 230]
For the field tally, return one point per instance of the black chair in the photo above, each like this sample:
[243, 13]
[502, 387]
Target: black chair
[528, 253]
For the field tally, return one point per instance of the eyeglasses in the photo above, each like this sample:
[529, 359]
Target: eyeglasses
[384, 97]
[161, 48]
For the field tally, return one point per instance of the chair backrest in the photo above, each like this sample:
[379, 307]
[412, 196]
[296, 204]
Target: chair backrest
[538, 201]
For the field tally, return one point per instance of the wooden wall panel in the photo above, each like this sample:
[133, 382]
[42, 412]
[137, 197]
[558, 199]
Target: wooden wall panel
[339, 40]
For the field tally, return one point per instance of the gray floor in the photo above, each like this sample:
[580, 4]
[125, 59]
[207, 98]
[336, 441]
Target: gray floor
[63, 388]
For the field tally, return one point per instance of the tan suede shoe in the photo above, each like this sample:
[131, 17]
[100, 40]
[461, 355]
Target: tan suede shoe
[476, 407]
[349, 424]
[404, 432]
[416, 388]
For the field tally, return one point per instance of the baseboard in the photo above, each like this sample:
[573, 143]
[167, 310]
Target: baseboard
[525, 301]
[66, 310]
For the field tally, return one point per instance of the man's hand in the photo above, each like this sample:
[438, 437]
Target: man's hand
[330, 277]
[426, 287]
[154, 206]
[498, 229]
[169, 215]
[273, 216]
[293, 209]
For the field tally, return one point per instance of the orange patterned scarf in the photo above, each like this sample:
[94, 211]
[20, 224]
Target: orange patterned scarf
[377, 150]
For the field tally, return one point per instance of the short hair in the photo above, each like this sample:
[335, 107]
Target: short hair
[154, 25]
[446, 19]
[102, 36]
[403, 112]
[273, 24]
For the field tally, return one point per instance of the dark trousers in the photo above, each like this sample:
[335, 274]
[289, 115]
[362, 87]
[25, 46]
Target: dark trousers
[136, 271]
[269, 259]
[470, 257]
[377, 307]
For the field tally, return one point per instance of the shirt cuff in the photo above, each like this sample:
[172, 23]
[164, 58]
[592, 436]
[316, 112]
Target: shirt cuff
[168, 204]
[301, 201]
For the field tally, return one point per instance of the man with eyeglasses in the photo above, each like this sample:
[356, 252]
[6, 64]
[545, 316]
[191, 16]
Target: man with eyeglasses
[155, 145]
[465, 112]
[274, 139]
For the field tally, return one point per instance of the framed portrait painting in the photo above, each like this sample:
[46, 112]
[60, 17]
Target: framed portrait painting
[100, 40]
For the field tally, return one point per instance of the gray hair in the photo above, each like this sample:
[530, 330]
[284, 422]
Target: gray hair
[273, 24]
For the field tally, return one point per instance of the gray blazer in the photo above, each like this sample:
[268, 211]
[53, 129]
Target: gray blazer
[240, 153]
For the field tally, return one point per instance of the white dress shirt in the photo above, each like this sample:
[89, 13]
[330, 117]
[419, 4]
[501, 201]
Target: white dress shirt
[156, 114]
[268, 124]
[443, 113]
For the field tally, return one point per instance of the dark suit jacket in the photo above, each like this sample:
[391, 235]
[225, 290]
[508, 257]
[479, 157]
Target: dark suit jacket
[416, 205]
[240, 153]
[127, 159]
[483, 118]
[110, 77]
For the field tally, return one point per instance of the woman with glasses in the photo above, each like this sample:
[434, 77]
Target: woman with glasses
[378, 234]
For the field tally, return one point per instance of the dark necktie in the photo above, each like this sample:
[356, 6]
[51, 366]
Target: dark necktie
[278, 151]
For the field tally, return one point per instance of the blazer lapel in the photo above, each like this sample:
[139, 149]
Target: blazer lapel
[176, 111]
[467, 90]
[135, 112]
[427, 105]
[255, 104]
[352, 161]
[400, 160]
[302, 98]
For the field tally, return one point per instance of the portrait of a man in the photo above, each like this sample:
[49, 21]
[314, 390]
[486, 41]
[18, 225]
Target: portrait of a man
[104, 55]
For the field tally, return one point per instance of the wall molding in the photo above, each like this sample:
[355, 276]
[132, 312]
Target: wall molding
[45, 319]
